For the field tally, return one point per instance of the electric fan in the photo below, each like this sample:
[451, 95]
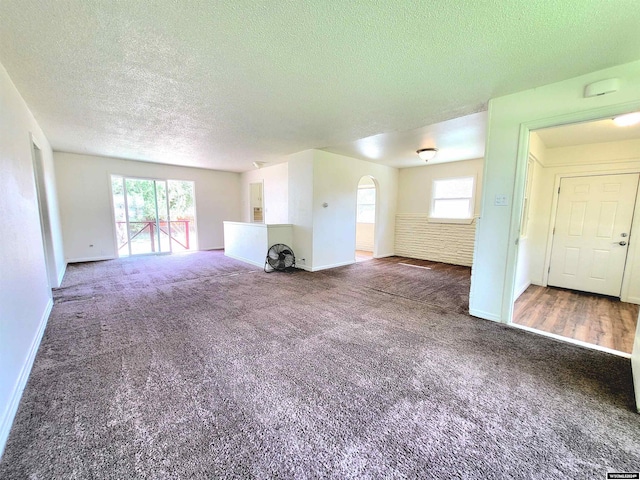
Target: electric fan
[279, 257]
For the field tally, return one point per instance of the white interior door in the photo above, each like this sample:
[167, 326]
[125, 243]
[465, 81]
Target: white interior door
[592, 229]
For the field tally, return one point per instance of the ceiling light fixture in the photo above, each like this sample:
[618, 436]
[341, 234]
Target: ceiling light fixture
[627, 119]
[427, 154]
[259, 164]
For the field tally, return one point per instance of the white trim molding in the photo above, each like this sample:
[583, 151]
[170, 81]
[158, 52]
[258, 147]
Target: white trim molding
[245, 260]
[484, 315]
[521, 290]
[61, 274]
[91, 259]
[326, 267]
[10, 413]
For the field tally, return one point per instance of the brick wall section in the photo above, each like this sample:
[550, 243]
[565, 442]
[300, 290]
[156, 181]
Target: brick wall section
[416, 237]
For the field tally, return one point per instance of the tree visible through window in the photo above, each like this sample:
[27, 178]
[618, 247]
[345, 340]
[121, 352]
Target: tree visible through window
[153, 216]
[452, 198]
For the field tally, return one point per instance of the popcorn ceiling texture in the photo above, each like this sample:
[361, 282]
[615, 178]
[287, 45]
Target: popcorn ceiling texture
[222, 84]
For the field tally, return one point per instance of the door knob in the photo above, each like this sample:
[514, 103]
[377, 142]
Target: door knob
[623, 235]
[623, 243]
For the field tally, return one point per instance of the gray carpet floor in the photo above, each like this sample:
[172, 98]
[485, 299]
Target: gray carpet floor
[198, 366]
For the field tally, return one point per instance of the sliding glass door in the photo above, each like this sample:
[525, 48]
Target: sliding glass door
[182, 211]
[153, 216]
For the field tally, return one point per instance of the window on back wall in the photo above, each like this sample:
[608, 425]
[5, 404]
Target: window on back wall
[366, 205]
[453, 198]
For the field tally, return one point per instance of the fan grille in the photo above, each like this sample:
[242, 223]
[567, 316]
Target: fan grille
[280, 257]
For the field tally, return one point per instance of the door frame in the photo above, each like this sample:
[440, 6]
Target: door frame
[42, 199]
[251, 217]
[626, 275]
[519, 185]
[517, 203]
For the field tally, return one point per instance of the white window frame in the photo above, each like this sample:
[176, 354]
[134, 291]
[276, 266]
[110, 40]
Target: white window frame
[375, 192]
[472, 201]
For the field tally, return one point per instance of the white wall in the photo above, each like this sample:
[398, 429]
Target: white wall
[250, 242]
[530, 248]
[593, 154]
[325, 237]
[365, 236]
[599, 158]
[335, 182]
[25, 297]
[52, 229]
[84, 184]
[301, 206]
[493, 274]
[537, 148]
[275, 193]
[416, 235]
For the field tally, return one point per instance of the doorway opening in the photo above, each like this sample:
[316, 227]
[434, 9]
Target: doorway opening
[256, 202]
[577, 271]
[365, 219]
[153, 216]
[45, 220]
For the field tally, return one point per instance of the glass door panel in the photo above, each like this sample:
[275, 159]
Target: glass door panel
[164, 225]
[142, 215]
[119, 212]
[153, 216]
[182, 211]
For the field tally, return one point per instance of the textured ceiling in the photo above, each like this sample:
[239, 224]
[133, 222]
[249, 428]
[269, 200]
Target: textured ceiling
[220, 84]
[461, 138]
[600, 131]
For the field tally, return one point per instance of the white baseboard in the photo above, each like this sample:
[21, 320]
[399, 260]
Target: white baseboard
[245, 260]
[10, 412]
[520, 291]
[485, 315]
[325, 267]
[61, 274]
[384, 255]
[261, 264]
[91, 259]
[635, 300]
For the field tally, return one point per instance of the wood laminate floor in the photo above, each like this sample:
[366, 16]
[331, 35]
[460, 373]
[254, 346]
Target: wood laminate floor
[596, 319]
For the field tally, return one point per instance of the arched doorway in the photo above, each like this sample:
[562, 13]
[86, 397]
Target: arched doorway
[366, 219]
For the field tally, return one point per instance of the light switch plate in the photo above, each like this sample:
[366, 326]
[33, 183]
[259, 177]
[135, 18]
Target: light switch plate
[501, 200]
